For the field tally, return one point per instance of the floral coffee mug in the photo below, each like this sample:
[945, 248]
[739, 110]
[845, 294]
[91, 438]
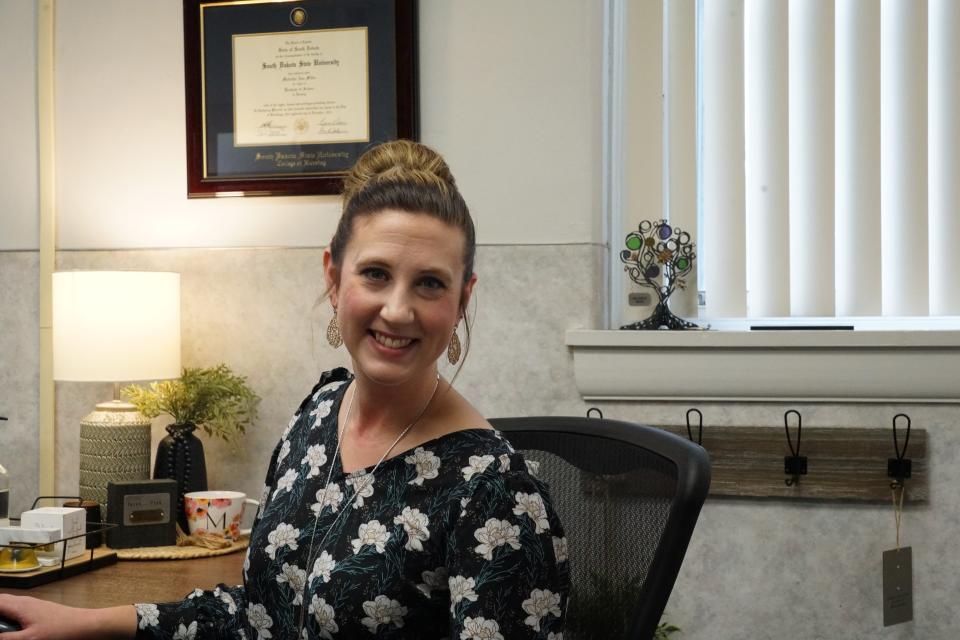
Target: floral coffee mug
[217, 512]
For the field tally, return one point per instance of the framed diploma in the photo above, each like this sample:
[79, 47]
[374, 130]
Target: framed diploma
[282, 96]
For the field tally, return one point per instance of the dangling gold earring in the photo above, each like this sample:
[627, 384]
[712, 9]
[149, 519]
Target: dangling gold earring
[453, 349]
[334, 337]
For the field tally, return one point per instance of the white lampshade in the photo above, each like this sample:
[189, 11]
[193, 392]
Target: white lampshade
[111, 326]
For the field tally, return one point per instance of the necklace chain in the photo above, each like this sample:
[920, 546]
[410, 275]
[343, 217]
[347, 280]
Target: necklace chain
[356, 491]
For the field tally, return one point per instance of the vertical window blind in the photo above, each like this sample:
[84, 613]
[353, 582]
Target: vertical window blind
[826, 160]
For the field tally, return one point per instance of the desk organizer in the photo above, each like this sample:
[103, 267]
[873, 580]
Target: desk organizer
[92, 558]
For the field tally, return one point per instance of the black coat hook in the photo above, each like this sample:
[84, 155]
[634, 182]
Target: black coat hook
[699, 439]
[899, 468]
[599, 413]
[794, 465]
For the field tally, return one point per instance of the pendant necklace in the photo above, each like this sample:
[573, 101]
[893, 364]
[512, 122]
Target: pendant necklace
[348, 505]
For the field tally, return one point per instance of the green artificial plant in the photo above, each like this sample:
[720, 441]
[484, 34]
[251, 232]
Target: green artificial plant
[214, 399]
[664, 631]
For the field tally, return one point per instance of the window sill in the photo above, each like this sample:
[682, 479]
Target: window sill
[768, 366]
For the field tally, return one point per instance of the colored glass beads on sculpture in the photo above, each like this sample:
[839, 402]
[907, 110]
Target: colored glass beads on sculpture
[659, 256]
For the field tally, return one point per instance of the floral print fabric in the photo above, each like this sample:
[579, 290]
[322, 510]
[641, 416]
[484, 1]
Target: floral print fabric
[455, 539]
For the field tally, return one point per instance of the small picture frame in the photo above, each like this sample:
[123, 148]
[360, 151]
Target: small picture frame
[282, 96]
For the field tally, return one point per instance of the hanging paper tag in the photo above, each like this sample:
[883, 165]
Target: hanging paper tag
[897, 586]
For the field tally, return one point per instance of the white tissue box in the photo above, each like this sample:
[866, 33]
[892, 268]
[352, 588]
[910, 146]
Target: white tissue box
[69, 521]
[28, 535]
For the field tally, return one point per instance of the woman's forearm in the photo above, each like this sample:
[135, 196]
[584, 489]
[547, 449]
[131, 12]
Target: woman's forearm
[114, 622]
[45, 619]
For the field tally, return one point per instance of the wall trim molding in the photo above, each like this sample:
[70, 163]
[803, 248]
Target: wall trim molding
[611, 163]
[46, 156]
[767, 366]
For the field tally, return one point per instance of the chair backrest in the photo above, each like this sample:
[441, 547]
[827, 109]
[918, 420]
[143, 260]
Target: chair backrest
[629, 497]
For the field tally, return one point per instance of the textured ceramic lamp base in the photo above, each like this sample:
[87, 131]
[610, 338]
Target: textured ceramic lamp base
[114, 447]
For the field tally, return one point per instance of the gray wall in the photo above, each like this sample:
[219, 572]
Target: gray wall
[20, 373]
[761, 569]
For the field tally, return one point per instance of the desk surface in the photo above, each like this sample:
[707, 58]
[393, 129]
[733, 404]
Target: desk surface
[128, 582]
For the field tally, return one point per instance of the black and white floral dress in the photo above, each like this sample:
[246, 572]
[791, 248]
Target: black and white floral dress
[455, 539]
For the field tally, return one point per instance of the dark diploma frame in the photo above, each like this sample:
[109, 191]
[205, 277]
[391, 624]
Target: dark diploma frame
[317, 134]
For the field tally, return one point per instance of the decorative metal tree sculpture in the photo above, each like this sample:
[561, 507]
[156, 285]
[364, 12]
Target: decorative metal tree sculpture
[659, 256]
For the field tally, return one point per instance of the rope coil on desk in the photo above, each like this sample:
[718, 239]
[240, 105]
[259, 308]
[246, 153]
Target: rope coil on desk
[174, 552]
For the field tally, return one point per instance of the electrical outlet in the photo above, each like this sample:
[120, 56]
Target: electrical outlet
[701, 298]
[638, 299]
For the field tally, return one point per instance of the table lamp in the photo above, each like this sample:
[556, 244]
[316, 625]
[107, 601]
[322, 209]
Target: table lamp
[115, 326]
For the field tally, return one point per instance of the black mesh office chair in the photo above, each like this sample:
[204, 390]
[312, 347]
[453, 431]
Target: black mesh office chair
[629, 497]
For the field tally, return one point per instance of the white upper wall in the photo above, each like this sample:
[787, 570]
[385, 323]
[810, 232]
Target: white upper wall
[121, 150]
[510, 94]
[19, 222]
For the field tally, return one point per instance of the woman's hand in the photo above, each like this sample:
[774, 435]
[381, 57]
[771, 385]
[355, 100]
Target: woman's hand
[42, 620]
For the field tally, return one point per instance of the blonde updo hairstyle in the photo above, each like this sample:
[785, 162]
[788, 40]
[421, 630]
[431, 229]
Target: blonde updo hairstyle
[405, 176]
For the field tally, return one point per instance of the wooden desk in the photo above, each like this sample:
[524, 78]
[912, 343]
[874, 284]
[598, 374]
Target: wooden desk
[129, 582]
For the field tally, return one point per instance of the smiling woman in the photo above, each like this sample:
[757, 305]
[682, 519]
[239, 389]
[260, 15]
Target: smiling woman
[429, 229]
[399, 293]
[391, 507]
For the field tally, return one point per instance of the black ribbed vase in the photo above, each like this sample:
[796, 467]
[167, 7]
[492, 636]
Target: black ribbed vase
[180, 458]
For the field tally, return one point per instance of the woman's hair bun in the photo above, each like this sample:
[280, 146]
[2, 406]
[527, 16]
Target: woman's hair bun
[402, 175]
[399, 161]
